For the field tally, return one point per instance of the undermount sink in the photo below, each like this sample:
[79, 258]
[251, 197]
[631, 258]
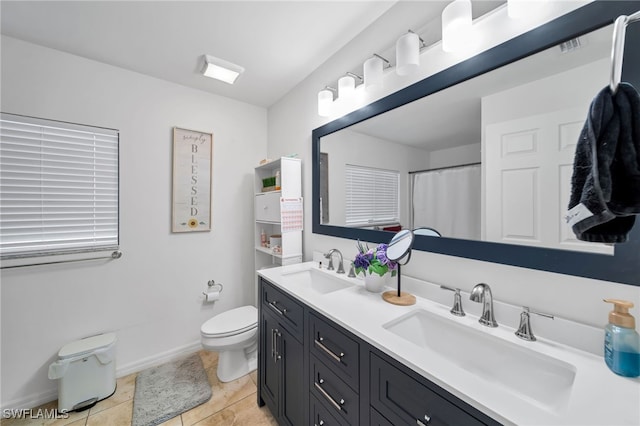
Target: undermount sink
[317, 281]
[536, 377]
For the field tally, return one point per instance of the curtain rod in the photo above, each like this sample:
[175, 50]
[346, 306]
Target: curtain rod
[444, 168]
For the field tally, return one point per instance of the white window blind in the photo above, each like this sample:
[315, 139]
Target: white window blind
[372, 195]
[58, 187]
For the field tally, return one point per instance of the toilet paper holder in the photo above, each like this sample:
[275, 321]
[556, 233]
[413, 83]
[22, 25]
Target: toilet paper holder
[213, 291]
[213, 286]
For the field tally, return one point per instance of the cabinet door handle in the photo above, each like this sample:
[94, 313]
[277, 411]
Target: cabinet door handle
[278, 343]
[328, 397]
[275, 308]
[320, 423]
[427, 419]
[329, 352]
[273, 343]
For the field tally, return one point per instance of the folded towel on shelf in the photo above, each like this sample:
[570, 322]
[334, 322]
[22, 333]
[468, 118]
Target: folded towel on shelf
[605, 186]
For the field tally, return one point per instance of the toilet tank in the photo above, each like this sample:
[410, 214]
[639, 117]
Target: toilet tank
[85, 371]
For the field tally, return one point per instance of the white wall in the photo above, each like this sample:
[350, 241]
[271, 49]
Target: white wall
[151, 297]
[292, 120]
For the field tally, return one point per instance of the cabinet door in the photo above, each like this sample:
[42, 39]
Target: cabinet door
[292, 387]
[268, 207]
[403, 400]
[270, 378]
[378, 419]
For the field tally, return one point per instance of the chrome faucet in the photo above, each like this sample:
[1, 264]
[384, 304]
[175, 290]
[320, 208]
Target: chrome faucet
[524, 330]
[481, 293]
[329, 255]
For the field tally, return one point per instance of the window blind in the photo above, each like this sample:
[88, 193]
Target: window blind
[371, 195]
[58, 187]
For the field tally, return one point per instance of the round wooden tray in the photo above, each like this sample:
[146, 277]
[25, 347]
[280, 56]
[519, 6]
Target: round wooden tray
[405, 299]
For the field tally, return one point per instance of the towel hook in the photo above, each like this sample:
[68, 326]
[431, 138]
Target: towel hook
[617, 48]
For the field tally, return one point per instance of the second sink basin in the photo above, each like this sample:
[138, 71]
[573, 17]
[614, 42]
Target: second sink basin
[317, 281]
[539, 378]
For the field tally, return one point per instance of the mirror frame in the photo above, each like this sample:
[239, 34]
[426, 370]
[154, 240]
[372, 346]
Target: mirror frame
[623, 267]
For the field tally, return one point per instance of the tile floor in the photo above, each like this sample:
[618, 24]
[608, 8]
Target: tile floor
[232, 404]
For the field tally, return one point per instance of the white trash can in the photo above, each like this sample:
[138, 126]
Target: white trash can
[86, 371]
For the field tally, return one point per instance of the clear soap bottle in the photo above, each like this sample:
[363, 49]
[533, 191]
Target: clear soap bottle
[621, 340]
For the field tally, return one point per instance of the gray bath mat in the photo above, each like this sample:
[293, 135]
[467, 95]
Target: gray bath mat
[168, 390]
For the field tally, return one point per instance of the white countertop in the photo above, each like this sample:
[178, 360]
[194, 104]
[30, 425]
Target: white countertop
[597, 396]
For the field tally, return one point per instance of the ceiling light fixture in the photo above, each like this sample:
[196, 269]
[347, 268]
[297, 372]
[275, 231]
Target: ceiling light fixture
[373, 71]
[456, 25]
[408, 53]
[221, 70]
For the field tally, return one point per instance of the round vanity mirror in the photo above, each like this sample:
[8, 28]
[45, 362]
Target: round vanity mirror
[429, 232]
[400, 248]
[400, 245]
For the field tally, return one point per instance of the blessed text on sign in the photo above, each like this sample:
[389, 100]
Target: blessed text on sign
[192, 161]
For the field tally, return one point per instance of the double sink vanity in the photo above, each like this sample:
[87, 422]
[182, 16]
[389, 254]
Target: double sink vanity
[332, 353]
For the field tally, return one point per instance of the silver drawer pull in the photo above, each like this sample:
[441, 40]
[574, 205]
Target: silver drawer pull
[328, 351]
[326, 395]
[426, 422]
[275, 308]
[273, 343]
[319, 424]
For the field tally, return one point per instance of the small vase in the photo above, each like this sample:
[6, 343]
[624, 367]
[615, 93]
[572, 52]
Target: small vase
[375, 283]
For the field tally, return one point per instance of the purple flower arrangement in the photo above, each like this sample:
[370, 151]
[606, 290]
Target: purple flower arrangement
[374, 261]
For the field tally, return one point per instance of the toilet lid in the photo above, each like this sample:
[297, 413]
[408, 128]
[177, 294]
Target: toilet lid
[231, 322]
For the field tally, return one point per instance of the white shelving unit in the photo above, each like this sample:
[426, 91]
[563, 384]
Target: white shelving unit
[267, 212]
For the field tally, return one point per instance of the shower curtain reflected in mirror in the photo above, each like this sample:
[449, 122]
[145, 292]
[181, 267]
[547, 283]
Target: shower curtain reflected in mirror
[448, 200]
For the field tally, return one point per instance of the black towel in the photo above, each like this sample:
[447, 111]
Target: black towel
[605, 186]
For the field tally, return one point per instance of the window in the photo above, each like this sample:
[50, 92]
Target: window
[372, 196]
[58, 188]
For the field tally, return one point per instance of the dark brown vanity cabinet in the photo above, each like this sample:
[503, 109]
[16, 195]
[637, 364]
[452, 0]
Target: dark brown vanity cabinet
[314, 372]
[281, 357]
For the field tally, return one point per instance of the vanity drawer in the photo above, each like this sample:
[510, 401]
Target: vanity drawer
[289, 312]
[337, 350]
[267, 207]
[321, 416]
[336, 395]
[403, 400]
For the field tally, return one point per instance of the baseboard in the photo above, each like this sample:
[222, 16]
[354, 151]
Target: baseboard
[37, 399]
[31, 401]
[157, 359]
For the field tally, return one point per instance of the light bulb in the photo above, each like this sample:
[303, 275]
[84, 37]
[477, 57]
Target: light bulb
[456, 25]
[325, 100]
[346, 87]
[407, 54]
[373, 68]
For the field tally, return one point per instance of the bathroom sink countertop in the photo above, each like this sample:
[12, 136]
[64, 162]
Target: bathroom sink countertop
[578, 390]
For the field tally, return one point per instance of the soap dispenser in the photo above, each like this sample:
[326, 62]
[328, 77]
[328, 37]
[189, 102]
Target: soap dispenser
[621, 341]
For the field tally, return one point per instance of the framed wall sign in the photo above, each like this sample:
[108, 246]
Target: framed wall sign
[192, 171]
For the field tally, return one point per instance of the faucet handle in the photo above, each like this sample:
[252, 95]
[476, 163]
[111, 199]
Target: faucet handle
[457, 301]
[330, 257]
[352, 272]
[524, 330]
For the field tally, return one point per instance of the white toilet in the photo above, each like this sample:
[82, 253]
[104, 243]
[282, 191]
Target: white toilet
[234, 335]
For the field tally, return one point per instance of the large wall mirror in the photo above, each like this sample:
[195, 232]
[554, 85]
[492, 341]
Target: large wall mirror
[482, 152]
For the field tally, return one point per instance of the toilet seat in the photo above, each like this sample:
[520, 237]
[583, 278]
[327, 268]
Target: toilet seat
[231, 323]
